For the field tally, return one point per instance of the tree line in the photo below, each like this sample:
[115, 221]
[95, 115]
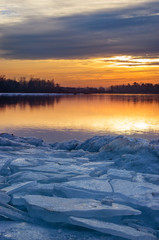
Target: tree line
[135, 88]
[36, 85]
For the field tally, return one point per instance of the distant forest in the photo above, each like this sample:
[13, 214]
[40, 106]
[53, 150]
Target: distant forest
[135, 88]
[36, 85]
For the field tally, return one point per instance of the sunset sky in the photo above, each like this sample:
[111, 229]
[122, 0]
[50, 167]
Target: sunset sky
[80, 43]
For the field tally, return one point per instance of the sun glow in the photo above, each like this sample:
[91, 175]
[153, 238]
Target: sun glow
[94, 72]
[95, 114]
[131, 61]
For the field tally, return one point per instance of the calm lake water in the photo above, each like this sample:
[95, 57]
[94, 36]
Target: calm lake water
[61, 118]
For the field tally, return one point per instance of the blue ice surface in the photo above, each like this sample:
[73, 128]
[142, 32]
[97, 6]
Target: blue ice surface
[106, 187]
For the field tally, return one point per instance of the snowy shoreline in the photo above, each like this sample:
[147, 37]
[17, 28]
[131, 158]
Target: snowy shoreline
[106, 187]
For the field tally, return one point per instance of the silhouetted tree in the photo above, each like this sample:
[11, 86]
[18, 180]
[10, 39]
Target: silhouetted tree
[135, 88]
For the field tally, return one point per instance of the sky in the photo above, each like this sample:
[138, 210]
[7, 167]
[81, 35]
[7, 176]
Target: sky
[80, 43]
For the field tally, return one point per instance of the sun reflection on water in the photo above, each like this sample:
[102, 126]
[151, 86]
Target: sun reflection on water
[107, 114]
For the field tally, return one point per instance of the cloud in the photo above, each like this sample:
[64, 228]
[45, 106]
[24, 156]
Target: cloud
[129, 61]
[127, 31]
[28, 8]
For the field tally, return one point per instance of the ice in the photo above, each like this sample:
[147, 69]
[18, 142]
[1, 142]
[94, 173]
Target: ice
[94, 185]
[2, 179]
[140, 193]
[17, 187]
[8, 142]
[113, 229]
[124, 144]
[151, 178]
[23, 176]
[70, 145]
[55, 168]
[86, 188]
[4, 198]
[109, 184]
[27, 231]
[55, 209]
[4, 165]
[12, 213]
[95, 143]
[20, 162]
[11, 140]
[121, 174]
[21, 230]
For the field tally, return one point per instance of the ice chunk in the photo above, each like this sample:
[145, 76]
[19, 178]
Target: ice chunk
[94, 185]
[13, 213]
[141, 193]
[125, 144]
[2, 179]
[99, 165]
[11, 140]
[112, 229]
[26, 176]
[56, 168]
[95, 143]
[151, 178]
[21, 162]
[17, 200]
[6, 142]
[54, 209]
[70, 145]
[121, 174]
[4, 198]
[10, 230]
[99, 169]
[17, 187]
[42, 189]
[86, 188]
[4, 163]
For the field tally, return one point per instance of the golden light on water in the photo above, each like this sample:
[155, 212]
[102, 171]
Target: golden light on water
[96, 114]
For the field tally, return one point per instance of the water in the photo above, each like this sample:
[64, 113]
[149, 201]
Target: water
[61, 118]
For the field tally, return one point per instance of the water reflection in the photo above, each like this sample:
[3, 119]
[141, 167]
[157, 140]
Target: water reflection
[32, 101]
[80, 116]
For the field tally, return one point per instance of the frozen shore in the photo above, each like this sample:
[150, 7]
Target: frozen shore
[104, 188]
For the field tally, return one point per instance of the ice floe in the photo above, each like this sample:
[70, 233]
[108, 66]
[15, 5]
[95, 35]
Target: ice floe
[113, 229]
[103, 188]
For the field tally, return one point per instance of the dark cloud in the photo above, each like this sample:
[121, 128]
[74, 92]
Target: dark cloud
[132, 31]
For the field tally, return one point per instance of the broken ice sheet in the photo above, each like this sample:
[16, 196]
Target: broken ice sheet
[112, 229]
[101, 177]
[55, 209]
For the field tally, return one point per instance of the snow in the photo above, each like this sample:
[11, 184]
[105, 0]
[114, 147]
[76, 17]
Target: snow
[107, 185]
